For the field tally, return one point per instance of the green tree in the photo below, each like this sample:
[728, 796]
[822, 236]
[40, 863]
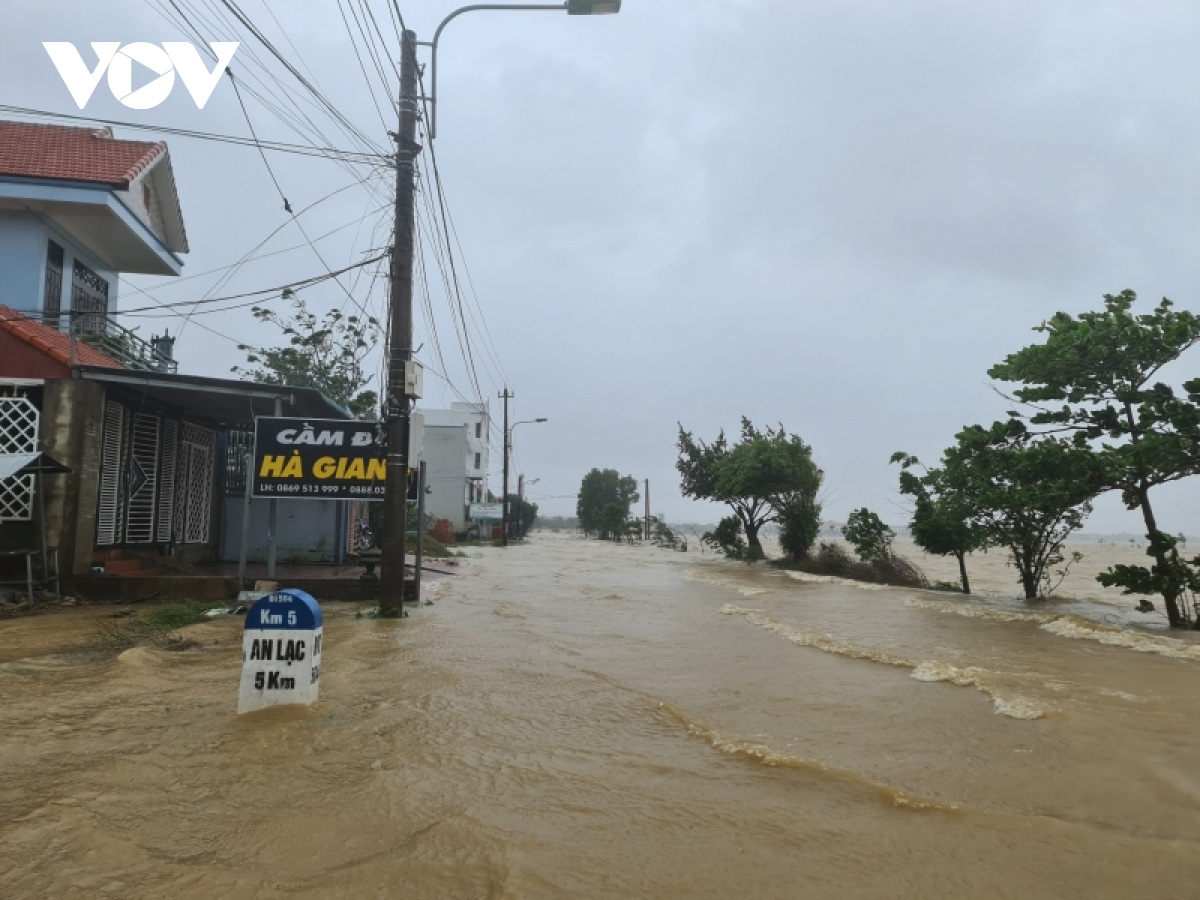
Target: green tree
[604, 500]
[522, 514]
[727, 538]
[869, 536]
[327, 353]
[1027, 494]
[767, 476]
[1092, 377]
[943, 522]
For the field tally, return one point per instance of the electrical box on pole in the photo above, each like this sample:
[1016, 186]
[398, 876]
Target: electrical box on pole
[414, 379]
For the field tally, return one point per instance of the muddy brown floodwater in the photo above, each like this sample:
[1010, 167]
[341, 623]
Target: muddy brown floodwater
[579, 719]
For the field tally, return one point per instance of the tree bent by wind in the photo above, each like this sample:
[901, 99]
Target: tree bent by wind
[767, 476]
[1095, 380]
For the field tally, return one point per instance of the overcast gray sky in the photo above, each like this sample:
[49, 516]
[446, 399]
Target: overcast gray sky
[833, 215]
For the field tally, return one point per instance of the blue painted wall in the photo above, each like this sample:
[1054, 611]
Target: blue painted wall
[23, 242]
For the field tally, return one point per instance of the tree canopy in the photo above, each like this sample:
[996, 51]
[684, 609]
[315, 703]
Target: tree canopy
[767, 476]
[943, 522]
[605, 496]
[1092, 378]
[326, 353]
[1027, 494]
[869, 536]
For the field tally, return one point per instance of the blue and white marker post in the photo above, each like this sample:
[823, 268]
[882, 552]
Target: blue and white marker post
[281, 651]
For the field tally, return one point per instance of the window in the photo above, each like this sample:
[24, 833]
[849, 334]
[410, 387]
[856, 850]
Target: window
[478, 435]
[89, 299]
[52, 302]
[478, 460]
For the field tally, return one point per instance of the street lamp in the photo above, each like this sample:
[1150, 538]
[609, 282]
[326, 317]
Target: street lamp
[571, 7]
[507, 450]
[401, 376]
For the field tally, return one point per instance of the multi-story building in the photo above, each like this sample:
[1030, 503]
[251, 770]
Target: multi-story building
[456, 457]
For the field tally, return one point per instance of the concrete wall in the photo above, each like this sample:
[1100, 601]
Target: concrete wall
[310, 531]
[476, 419]
[23, 243]
[446, 449]
[72, 427]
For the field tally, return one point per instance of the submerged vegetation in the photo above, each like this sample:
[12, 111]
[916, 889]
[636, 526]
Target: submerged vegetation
[1094, 416]
[158, 628]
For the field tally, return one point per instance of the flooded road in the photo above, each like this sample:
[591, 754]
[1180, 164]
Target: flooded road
[579, 719]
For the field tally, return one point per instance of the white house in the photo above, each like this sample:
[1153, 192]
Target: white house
[456, 457]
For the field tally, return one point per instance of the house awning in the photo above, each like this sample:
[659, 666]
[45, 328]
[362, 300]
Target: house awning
[12, 463]
[29, 464]
[222, 401]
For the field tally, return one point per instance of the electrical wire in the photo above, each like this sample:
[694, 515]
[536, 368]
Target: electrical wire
[353, 157]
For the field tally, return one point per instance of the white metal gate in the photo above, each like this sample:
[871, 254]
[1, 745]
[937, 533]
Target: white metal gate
[18, 434]
[110, 512]
[144, 479]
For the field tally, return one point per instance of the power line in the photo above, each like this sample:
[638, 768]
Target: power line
[275, 146]
[294, 286]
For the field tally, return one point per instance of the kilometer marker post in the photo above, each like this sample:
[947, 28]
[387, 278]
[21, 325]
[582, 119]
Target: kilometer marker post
[281, 651]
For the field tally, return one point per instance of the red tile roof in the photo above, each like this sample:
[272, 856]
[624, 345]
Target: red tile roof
[52, 342]
[73, 154]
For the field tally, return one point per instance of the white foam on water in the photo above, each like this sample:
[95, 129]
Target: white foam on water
[1121, 695]
[758, 752]
[1080, 629]
[1068, 626]
[834, 579]
[1014, 706]
[978, 611]
[707, 576]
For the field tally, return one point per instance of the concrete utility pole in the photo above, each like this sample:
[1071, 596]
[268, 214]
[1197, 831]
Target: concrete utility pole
[272, 515]
[505, 396]
[420, 554]
[397, 406]
[647, 509]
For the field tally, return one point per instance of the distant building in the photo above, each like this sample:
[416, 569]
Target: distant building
[456, 457]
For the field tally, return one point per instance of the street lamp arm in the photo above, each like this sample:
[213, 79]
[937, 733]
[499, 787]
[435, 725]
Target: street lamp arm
[524, 422]
[560, 7]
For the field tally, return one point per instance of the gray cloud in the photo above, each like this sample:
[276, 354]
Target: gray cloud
[833, 215]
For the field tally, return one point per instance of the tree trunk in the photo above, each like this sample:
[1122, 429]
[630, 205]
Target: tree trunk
[962, 572]
[1029, 580]
[1030, 585]
[1170, 600]
[756, 550]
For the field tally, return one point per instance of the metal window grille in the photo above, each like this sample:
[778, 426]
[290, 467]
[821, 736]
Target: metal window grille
[166, 493]
[142, 475]
[52, 302]
[239, 445]
[19, 420]
[109, 515]
[196, 483]
[89, 299]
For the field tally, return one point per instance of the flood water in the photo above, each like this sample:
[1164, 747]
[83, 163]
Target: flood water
[578, 719]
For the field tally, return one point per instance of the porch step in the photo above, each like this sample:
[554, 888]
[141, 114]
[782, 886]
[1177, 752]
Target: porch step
[127, 563]
[121, 566]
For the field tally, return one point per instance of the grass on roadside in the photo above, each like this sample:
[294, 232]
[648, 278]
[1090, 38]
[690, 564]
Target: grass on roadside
[157, 628]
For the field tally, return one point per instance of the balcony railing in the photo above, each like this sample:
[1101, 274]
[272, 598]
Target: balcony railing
[122, 344]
